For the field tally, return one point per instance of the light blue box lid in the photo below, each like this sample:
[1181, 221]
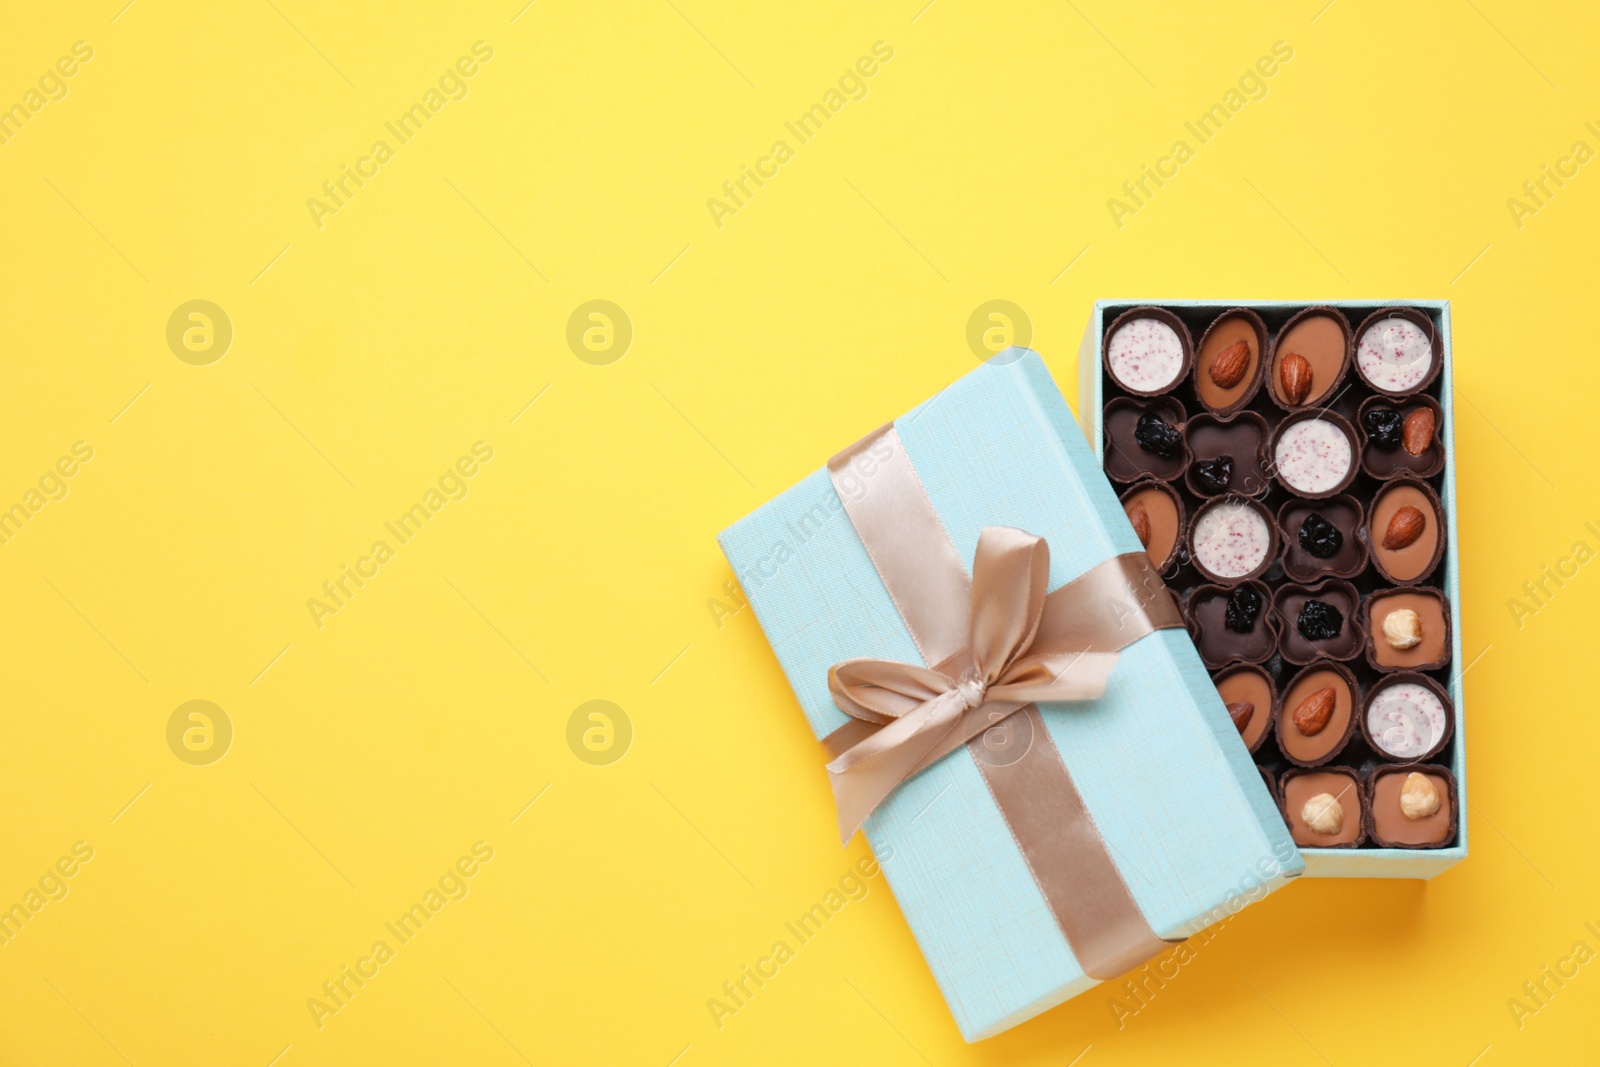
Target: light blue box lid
[1161, 769]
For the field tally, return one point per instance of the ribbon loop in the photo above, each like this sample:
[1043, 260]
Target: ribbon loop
[921, 713]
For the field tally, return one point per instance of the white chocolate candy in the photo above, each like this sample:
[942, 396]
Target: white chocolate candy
[1231, 539]
[1145, 355]
[1394, 354]
[1406, 720]
[1313, 456]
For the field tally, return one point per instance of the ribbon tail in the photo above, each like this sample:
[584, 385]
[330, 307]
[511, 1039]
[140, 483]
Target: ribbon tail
[865, 775]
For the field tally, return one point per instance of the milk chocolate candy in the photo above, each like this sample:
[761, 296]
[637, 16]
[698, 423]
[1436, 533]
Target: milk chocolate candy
[1156, 449]
[1320, 336]
[1314, 454]
[1164, 512]
[1148, 351]
[1230, 455]
[1301, 788]
[1248, 684]
[1397, 823]
[1405, 531]
[1231, 624]
[1407, 718]
[1317, 715]
[1317, 621]
[1223, 383]
[1407, 629]
[1232, 539]
[1398, 352]
[1322, 538]
[1390, 429]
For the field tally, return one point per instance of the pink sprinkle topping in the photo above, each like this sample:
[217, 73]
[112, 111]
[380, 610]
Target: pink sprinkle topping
[1145, 355]
[1394, 354]
[1313, 456]
[1231, 539]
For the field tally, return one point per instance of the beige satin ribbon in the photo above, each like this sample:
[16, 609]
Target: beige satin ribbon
[997, 644]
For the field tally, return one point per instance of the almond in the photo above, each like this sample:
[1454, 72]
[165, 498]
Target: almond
[1406, 526]
[1416, 434]
[1312, 716]
[1141, 522]
[1295, 374]
[1240, 713]
[1227, 370]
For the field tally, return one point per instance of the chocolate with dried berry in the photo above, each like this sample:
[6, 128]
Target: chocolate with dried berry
[1229, 454]
[1401, 438]
[1231, 624]
[1322, 538]
[1145, 438]
[1318, 621]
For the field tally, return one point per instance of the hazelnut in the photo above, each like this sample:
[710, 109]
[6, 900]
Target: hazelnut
[1402, 629]
[1419, 798]
[1323, 813]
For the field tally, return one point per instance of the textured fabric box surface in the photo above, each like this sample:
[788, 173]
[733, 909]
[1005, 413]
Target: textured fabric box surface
[1333, 862]
[1175, 795]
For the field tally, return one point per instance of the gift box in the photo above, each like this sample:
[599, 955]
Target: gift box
[1037, 846]
[1350, 394]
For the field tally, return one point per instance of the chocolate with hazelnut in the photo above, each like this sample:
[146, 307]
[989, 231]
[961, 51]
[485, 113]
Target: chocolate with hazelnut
[1413, 806]
[1407, 629]
[1324, 808]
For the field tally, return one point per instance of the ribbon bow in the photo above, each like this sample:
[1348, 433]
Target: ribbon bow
[921, 714]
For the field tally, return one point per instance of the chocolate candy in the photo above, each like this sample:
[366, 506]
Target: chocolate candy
[1324, 808]
[1228, 370]
[1319, 620]
[1163, 517]
[1397, 351]
[1321, 337]
[1230, 625]
[1305, 525]
[1232, 539]
[1126, 457]
[1413, 806]
[1408, 629]
[1318, 714]
[1401, 437]
[1405, 531]
[1314, 454]
[1247, 684]
[1408, 717]
[1148, 351]
[1229, 454]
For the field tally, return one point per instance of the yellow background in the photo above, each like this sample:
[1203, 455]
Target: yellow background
[425, 315]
